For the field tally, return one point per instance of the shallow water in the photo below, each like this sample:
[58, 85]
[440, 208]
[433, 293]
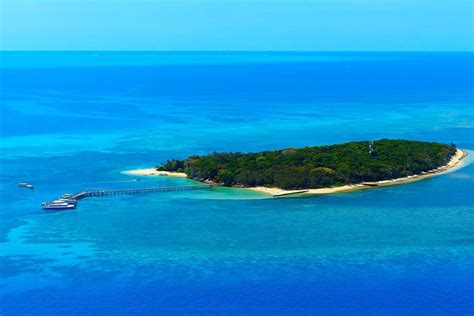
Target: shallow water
[75, 120]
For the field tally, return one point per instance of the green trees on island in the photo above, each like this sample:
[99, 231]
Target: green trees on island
[317, 167]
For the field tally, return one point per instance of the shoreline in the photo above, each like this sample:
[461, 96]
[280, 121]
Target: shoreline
[154, 173]
[454, 163]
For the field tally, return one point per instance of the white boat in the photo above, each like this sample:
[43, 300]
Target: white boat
[25, 185]
[58, 205]
[69, 201]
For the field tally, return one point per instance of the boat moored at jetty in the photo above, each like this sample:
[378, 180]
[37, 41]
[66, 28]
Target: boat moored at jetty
[61, 204]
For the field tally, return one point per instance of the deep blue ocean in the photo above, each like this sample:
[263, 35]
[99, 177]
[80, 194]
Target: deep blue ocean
[75, 120]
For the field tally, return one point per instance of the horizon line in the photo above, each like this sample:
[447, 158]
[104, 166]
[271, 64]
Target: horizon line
[235, 51]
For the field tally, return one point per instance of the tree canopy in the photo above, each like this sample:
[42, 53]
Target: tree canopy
[318, 166]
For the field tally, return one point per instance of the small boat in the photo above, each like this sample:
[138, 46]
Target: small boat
[66, 196]
[25, 185]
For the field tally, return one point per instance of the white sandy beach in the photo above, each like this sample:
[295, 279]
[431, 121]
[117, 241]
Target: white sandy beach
[153, 172]
[454, 163]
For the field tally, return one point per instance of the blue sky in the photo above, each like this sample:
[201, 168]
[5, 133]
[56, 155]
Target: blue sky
[334, 25]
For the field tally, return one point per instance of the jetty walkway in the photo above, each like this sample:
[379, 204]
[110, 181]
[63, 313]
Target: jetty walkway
[101, 192]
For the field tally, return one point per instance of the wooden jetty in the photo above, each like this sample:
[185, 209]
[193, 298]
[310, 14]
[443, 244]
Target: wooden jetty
[101, 192]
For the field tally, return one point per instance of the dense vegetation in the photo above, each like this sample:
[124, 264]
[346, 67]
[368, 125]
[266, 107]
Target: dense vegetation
[316, 167]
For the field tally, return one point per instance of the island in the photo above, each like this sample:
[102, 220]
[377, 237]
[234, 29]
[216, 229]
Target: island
[320, 169]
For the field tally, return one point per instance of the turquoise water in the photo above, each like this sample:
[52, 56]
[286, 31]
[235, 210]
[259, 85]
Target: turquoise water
[72, 121]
